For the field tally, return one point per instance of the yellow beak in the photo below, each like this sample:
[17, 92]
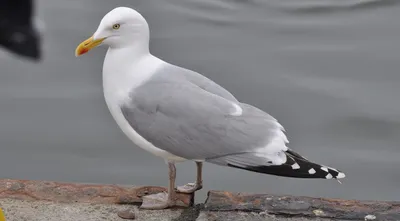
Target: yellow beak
[87, 45]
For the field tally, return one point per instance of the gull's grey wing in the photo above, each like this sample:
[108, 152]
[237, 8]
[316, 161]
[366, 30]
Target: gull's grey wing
[178, 116]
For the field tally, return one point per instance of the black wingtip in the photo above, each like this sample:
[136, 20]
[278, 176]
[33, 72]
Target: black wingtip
[296, 167]
[318, 172]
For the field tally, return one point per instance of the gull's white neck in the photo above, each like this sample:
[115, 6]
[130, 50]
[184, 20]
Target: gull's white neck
[126, 68]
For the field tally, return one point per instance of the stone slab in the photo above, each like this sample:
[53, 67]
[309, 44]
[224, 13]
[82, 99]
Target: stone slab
[28, 210]
[249, 216]
[299, 206]
[43, 200]
[82, 193]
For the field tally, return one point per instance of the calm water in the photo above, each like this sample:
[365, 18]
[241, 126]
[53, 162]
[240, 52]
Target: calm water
[328, 70]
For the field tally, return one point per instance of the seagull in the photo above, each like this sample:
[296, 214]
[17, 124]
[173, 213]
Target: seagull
[178, 114]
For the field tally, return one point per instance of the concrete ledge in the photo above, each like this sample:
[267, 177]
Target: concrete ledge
[53, 201]
[81, 193]
[335, 209]
[22, 210]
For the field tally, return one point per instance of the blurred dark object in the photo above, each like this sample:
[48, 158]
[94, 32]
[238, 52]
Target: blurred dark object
[17, 31]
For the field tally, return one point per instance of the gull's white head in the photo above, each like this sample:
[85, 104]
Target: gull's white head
[121, 27]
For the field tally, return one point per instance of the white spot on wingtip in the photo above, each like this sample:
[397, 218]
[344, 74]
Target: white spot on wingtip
[340, 175]
[332, 169]
[324, 169]
[238, 110]
[329, 176]
[311, 171]
[295, 166]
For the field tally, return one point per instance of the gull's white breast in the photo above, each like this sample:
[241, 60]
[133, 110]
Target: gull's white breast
[119, 79]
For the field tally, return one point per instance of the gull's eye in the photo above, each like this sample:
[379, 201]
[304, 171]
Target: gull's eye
[116, 26]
